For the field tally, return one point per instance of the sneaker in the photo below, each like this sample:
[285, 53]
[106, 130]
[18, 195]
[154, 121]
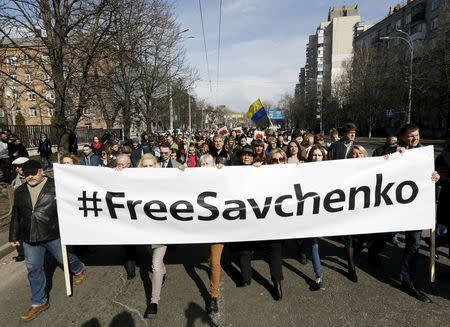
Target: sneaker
[80, 278]
[318, 285]
[34, 311]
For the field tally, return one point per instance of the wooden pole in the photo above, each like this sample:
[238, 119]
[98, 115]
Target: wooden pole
[432, 255]
[66, 270]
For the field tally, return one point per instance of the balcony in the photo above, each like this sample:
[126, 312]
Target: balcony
[418, 13]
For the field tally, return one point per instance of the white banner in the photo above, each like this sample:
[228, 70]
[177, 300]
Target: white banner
[205, 205]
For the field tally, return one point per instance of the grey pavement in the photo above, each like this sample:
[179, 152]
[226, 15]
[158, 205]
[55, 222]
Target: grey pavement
[108, 299]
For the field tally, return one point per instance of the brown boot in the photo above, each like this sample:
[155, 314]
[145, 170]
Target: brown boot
[33, 312]
[80, 278]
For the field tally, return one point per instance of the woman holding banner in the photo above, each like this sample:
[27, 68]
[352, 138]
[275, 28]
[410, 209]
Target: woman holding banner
[158, 252]
[244, 250]
[317, 153]
[215, 251]
[355, 151]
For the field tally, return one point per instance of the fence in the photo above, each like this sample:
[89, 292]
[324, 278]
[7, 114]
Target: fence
[30, 134]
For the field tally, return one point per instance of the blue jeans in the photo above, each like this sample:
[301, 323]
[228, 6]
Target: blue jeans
[34, 259]
[315, 257]
[410, 256]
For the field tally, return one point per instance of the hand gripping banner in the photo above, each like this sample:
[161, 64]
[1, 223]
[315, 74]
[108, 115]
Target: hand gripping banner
[204, 205]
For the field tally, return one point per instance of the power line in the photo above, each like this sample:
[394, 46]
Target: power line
[204, 44]
[218, 50]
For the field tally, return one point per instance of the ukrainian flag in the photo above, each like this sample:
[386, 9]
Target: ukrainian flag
[256, 111]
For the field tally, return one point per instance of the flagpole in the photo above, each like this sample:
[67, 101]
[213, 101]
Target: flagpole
[267, 112]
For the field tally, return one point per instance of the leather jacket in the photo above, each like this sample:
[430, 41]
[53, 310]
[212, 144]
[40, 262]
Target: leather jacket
[38, 225]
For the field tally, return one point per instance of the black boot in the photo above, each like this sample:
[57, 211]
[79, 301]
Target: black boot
[152, 309]
[130, 267]
[213, 306]
[351, 264]
[278, 294]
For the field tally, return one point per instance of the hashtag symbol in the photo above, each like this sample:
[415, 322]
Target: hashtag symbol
[85, 200]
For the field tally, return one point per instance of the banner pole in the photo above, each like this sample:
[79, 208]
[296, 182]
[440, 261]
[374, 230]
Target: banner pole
[66, 270]
[432, 255]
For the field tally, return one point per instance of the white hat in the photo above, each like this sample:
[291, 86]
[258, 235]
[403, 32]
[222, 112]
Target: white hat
[20, 161]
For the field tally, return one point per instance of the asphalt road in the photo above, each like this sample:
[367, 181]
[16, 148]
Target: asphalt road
[108, 299]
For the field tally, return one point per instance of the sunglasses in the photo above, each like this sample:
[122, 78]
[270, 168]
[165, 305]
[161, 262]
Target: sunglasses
[274, 160]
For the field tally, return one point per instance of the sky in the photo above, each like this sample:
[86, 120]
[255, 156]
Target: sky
[262, 48]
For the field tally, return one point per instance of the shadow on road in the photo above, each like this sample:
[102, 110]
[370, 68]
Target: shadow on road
[123, 319]
[195, 312]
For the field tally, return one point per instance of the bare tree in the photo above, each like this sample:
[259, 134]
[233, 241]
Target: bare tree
[66, 37]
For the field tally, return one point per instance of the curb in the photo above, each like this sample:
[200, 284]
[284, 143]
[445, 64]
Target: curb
[6, 249]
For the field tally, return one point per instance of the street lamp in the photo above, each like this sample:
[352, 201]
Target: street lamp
[407, 39]
[170, 82]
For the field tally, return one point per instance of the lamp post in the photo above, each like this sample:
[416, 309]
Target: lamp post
[407, 39]
[170, 81]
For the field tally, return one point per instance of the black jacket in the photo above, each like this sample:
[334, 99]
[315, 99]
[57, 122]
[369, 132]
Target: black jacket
[442, 164]
[338, 150]
[40, 224]
[384, 149]
[220, 158]
[45, 148]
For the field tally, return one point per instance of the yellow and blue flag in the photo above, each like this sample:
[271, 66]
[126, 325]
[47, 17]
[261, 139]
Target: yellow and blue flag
[256, 111]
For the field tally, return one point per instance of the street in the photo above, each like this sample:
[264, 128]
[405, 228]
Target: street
[108, 299]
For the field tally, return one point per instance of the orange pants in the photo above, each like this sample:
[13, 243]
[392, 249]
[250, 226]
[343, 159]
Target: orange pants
[214, 262]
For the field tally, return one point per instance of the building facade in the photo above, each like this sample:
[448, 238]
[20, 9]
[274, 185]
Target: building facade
[416, 34]
[328, 50]
[26, 86]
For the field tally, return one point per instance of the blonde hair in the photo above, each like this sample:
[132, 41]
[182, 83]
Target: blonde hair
[74, 158]
[359, 148]
[148, 156]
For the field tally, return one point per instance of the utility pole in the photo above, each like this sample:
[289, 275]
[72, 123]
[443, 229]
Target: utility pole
[406, 39]
[190, 118]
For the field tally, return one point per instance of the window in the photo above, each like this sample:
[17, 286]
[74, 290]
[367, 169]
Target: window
[50, 95]
[28, 78]
[2, 113]
[51, 112]
[434, 23]
[31, 96]
[417, 28]
[434, 43]
[86, 111]
[434, 4]
[32, 112]
[398, 25]
[12, 78]
[46, 77]
[26, 60]
[408, 19]
[15, 95]
[45, 58]
[12, 60]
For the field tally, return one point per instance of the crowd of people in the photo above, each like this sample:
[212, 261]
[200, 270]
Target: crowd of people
[36, 231]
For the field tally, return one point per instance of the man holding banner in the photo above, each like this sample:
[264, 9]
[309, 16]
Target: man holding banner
[410, 139]
[34, 224]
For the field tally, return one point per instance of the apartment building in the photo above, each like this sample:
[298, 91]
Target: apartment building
[26, 86]
[422, 21]
[327, 52]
